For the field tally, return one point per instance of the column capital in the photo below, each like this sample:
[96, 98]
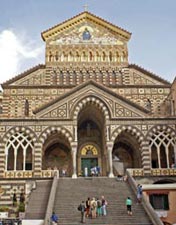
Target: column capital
[109, 145]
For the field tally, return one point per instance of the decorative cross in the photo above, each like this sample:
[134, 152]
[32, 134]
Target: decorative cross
[85, 7]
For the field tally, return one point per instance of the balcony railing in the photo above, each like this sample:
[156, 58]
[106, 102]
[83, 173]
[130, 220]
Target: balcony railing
[50, 173]
[29, 174]
[153, 172]
[163, 172]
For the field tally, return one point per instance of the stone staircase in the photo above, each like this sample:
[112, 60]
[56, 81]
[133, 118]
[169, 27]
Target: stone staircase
[38, 200]
[70, 192]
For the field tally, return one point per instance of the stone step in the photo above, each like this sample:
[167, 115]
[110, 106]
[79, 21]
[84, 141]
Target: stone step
[38, 201]
[71, 192]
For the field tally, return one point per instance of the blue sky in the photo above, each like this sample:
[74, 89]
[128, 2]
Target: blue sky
[151, 22]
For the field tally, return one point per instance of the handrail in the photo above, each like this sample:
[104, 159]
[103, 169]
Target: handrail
[148, 208]
[51, 200]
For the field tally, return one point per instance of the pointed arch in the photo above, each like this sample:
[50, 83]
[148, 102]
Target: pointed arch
[126, 152]
[129, 129]
[93, 100]
[104, 56]
[48, 131]
[18, 143]
[162, 144]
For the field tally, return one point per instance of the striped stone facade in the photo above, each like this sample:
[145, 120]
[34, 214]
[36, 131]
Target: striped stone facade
[86, 96]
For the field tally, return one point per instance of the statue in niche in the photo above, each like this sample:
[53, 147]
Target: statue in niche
[26, 108]
[86, 34]
[148, 104]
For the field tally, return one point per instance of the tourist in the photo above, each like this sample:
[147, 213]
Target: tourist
[93, 206]
[104, 205]
[98, 170]
[92, 170]
[88, 207]
[14, 200]
[22, 197]
[64, 172]
[129, 206]
[99, 209]
[54, 219]
[82, 209]
[139, 193]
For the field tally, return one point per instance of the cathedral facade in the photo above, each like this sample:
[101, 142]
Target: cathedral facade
[87, 106]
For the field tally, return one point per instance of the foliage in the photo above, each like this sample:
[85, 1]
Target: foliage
[4, 208]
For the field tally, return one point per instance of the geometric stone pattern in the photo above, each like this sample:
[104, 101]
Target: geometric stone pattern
[57, 92]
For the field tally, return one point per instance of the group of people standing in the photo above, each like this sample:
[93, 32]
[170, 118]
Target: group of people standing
[92, 208]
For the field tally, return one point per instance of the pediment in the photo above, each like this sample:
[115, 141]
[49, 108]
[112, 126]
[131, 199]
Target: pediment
[143, 77]
[32, 77]
[117, 106]
[71, 31]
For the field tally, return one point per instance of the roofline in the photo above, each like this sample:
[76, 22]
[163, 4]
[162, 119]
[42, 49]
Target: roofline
[83, 15]
[21, 75]
[141, 69]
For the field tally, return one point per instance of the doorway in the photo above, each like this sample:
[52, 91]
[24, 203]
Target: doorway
[88, 163]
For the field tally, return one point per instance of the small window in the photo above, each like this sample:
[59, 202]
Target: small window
[159, 201]
[26, 108]
[0, 109]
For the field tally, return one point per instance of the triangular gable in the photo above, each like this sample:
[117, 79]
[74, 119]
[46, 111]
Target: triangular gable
[142, 76]
[118, 106]
[28, 77]
[84, 16]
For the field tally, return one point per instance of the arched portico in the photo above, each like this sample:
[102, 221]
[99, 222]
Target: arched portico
[91, 115]
[57, 152]
[126, 151]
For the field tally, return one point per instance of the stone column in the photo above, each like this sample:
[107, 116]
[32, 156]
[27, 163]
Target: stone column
[159, 158]
[15, 159]
[146, 158]
[109, 148]
[3, 160]
[74, 152]
[24, 159]
[167, 156]
[37, 160]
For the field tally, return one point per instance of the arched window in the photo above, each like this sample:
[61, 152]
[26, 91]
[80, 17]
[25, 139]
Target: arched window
[56, 57]
[70, 56]
[77, 57]
[50, 57]
[19, 152]
[54, 77]
[104, 56]
[0, 109]
[90, 56]
[161, 150]
[84, 56]
[26, 108]
[110, 56]
[97, 56]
